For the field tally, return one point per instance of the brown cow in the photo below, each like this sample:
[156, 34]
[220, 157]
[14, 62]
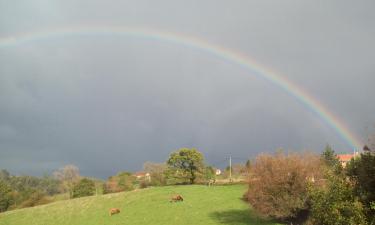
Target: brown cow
[114, 211]
[177, 198]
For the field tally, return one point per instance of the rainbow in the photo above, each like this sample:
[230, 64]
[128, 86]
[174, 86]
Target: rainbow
[197, 43]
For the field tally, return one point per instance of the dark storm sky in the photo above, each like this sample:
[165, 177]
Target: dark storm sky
[110, 103]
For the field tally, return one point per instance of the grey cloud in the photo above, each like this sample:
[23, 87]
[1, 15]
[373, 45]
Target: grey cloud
[109, 103]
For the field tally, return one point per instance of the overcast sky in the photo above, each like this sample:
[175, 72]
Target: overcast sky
[110, 103]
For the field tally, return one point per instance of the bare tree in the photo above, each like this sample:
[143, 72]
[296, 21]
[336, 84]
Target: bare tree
[370, 142]
[151, 167]
[69, 176]
[156, 171]
[279, 183]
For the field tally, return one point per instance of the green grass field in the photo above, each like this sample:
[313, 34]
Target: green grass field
[202, 205]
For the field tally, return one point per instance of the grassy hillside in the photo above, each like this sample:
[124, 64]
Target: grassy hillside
[202, 205]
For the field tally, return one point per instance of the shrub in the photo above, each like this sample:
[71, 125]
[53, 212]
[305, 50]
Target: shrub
[123, 181]
[335, 204]
[331, 161]
[85, 187]
[278, 186]
[144, 184]
[35, 198]
[5, 196]
[361, 171]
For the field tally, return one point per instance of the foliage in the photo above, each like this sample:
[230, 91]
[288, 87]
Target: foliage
[46, 184]
[209, 173]
[69, 176]
[335, 204]
[157, 173]
[248, 165]
[4, 175]
[27, 191]
[278, 187]
[370, 146]
[126, 181]
[85, 187]
[50, 185]
[239, 169]
[144, 184]
[123, 181]
[331, 160]
[184, 165]
[5, 196]
[35, 198]
[361, 171]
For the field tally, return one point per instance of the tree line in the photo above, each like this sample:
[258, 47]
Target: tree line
[298, 188]
[184, 166]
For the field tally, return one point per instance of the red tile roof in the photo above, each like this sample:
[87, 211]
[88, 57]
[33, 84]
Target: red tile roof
[140, 173]
[345, 157]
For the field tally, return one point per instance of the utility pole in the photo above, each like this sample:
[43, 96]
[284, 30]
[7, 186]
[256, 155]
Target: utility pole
[230, 169]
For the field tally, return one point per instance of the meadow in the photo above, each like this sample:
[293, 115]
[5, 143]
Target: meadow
[202, 205]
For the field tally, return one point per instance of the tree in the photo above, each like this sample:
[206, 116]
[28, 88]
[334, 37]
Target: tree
[185, 164]
[85, 187]
[329, 156]
[239, 169]
[335, 204]
[50, 185]
[5, 196]
[370, 146]
[361, 171]
[278, 185]
[4, 175]
[69, 176]
[331, 160]
[123, 181]
[248, 164]
[126, 181]
[209, 174]
[157, 173]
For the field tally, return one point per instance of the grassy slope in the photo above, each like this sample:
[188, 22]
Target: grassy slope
[202, 205]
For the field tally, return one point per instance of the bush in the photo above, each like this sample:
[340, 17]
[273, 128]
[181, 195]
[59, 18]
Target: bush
[85, 187]
[5, 196]
[361, 171]
[331, 161]
[35, 198]
[335, 204]
[123, 181]
[278, 186]
[144, 184]
[158, 179]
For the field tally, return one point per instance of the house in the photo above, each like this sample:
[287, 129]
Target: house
[142, 175]
[345, 158]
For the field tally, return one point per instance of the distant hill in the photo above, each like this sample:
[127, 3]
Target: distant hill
[202, 205]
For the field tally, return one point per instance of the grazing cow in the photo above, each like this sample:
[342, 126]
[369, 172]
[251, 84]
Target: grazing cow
[114, 211]
[177, 198]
